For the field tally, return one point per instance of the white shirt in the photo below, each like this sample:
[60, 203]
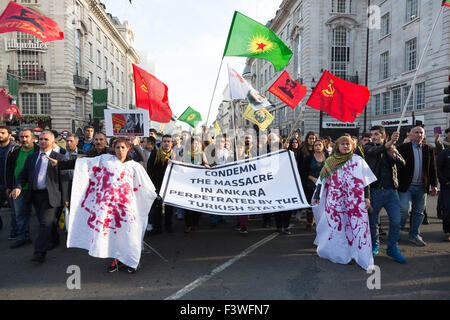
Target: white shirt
[43, 170]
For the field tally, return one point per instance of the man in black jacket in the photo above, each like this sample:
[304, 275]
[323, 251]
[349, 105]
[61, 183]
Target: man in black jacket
[415, 180]
[383, 159]
[156, 169]
[443, 168]
[6, 148]
[20, 207]
[48, 191]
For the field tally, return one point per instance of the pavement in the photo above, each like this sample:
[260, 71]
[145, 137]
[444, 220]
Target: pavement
[222, 264]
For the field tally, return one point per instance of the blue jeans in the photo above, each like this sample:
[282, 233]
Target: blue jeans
[21, 210]
[413, 200]
[389, 199]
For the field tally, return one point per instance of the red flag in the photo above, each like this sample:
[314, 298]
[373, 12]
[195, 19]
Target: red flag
[19, 18]
[288, 90]
[340, 99]
[151, 94]
[6, 106]
[13, 109]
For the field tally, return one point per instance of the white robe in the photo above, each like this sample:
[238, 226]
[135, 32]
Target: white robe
[343, 231]
[109, 208]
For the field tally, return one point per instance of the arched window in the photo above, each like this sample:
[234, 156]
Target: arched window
[340, 52]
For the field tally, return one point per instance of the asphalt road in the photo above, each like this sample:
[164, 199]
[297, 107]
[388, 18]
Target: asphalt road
[222, 264]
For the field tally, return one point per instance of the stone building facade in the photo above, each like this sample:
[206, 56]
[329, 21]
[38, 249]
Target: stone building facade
[323, 35]
[56, 79]
[395, 50]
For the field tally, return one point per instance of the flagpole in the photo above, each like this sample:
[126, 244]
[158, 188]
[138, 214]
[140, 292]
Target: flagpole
[214, 91]
[413, 84]
[296, 121]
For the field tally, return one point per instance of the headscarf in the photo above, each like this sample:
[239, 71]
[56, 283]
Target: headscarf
[337, 159]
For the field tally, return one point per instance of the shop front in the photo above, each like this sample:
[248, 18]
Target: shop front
[408, 123]
[338, 129]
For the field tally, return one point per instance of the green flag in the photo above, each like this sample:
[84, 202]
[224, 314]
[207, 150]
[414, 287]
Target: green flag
[100, 103]
[191, 117]
[13, 85]
[248, 38]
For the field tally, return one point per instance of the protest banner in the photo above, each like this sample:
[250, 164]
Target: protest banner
[264, 184]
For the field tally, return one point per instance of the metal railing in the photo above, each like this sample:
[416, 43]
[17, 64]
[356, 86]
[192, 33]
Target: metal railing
[28, 75]
[81, 82]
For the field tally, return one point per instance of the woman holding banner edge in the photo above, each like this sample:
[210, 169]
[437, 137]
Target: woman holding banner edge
[194, 156]
[340, 201]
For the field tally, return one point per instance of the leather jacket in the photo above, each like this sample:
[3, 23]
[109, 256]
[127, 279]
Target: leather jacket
[374, 156]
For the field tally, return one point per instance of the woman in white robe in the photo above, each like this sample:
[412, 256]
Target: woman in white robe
[341, 200]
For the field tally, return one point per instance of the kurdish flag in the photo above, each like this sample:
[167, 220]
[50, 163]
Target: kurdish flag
[248, 38]
[446, 3]
[191, 117]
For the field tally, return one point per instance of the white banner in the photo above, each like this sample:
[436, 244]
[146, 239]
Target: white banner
[265, 184]
[109, 208]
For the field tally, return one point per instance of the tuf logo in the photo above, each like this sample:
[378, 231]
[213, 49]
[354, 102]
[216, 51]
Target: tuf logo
[329, 93]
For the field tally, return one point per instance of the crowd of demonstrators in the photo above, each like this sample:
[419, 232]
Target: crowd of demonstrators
[405, 173]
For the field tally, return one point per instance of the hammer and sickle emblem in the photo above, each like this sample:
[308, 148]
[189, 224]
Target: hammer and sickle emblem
[329, 92]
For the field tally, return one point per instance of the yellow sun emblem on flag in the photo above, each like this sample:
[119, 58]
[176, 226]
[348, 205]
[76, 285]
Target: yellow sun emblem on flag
[260, 44]
[191, 117]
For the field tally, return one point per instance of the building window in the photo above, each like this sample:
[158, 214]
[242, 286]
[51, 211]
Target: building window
[299, 57]
[385, 25]
[90, 25]
[106, 64]
[29, 103]
[300, 13]
[376, 102]
[91, 51]
[118, 97]
[412, 10]
[78, 53]
[384, 65]
[28, 65]
[99, 58]
[341, 6]
[411, 99]
[420, 96]
[99, 34]
[396, 100]
[386, 103]
[79, 107]
[340, 52]
[411, 55]
[45, 103]
[99, 83]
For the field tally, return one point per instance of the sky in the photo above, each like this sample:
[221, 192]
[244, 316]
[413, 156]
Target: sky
[185, 41]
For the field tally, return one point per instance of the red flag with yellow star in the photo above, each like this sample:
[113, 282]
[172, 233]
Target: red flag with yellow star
[152, 95]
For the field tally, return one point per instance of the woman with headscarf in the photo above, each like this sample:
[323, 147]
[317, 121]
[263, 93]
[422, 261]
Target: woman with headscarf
[342, 197]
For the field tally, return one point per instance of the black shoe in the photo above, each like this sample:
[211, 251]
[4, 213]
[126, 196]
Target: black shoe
[115, 266]
[1, 223]
[131, 270]
[38, 257]
[12, 236]
[243, 230]
[20, 243]
[425, 221]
